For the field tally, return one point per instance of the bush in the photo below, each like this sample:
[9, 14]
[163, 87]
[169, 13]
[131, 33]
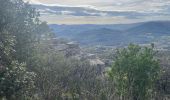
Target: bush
[135, 72]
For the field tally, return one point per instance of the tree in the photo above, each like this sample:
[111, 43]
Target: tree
[14, 78]
[20, 20]
[19, 31]
[135, 72]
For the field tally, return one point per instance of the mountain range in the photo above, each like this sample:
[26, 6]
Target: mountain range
[115, 34]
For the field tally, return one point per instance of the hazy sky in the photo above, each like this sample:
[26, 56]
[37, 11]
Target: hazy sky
[156, 10]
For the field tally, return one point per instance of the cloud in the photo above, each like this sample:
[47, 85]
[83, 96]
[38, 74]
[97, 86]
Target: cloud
[130, 5]
[140, 6]
[84, 11]
[87, 10]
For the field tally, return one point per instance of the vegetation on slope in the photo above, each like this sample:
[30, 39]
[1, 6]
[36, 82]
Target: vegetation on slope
[32, 69]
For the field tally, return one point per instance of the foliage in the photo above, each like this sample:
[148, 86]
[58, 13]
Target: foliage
[19, 31]
[135, 72]
[15, 79]
[13, 76]
[59, 77]
[32, 69]
[20, 20]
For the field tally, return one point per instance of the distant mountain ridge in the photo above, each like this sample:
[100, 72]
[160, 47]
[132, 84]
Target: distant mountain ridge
[113, 34]
[159, 27]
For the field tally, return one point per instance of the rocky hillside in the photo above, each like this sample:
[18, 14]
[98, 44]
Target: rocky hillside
[72, 49]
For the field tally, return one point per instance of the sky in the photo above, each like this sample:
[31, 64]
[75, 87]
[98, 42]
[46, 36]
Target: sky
[103, 11]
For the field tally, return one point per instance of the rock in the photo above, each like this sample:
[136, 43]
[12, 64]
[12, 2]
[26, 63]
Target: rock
[97, 62]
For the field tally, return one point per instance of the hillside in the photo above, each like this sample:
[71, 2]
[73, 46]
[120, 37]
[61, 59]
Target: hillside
[115, 34]
[157, 28]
